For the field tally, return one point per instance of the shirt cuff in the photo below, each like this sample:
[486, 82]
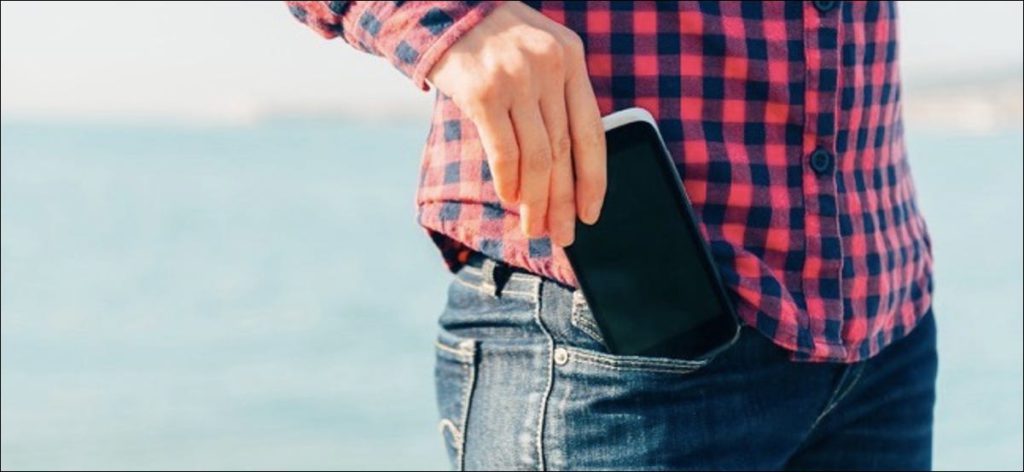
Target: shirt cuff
[414, 35]
[433, 54]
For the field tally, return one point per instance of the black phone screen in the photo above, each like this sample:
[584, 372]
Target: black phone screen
[643, 267]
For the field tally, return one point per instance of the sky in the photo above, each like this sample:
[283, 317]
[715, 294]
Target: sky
[223, 62]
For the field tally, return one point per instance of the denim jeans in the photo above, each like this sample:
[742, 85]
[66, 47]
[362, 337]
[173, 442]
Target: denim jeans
[524, 382]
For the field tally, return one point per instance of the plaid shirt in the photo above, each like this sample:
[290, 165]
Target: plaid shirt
[784, 121]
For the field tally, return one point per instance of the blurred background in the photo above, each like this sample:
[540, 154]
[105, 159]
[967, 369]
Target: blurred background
[190, 192]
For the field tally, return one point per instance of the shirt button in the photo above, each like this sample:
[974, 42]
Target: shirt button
[825, 6]
[821, 161]
[561, 356]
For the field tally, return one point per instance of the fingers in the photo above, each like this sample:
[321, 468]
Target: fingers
[561, 220]
[588, 147]
[534, 167]
[522, 79]
[498, 138]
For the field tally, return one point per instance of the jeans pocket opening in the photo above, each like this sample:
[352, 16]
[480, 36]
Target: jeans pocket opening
[583, 319]
[617, 362]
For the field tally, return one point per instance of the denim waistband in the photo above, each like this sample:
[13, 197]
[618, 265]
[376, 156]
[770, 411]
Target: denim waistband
[561, 309]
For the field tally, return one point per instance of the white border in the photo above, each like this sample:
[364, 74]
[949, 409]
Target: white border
[627, 116]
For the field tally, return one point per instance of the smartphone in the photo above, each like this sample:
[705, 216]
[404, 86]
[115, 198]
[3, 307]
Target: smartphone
[644, 268]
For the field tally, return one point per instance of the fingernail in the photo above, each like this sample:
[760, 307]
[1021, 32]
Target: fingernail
[593, 213]
[524, 221]
[566, 236]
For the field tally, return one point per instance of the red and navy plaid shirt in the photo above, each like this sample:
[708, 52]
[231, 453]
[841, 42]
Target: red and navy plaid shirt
[784, 121]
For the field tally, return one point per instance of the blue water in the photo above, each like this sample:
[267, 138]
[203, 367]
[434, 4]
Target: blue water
[261, 297]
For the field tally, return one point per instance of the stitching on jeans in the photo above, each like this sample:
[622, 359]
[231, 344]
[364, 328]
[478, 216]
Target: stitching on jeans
[584, 324]
[836, 398]
[848, 388]
[457, 352]
[488, 289]
[467, 395]
[520, 276]
[681, 370]
[652, 365]
[639, 362]
[551, 379]
[447, 425]
[467, 359]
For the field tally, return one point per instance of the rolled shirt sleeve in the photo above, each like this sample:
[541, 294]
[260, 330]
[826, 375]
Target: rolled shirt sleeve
[411, 35]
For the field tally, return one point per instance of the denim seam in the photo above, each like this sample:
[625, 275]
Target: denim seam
[449, 426]
[517, 276]
[584, 324]
[684, 367]
[837, 397]
[467, 396]
[488, 290]
[551, 377]
[458, 352]
[680, 370]
[466, 354]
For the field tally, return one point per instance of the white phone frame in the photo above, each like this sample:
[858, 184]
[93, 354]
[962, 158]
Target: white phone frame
[634, 115]
[627, 116]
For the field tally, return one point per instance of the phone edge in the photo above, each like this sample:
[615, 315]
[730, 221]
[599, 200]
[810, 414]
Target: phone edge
[637, 114]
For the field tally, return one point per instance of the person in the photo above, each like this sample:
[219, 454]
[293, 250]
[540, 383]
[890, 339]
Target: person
[784, 122]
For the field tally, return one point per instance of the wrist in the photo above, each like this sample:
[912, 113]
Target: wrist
[432, 56]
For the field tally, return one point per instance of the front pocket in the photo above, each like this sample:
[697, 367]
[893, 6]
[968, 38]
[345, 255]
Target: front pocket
[656, 365]
[454, 378]
[595, 352]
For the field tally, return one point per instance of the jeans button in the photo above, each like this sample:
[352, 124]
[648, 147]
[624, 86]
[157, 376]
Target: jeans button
[825, 6]
[822, 161]
[561, 356]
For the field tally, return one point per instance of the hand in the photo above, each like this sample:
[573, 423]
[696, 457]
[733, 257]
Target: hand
[522, 79]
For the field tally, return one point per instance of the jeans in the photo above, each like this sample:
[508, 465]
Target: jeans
[525, 382]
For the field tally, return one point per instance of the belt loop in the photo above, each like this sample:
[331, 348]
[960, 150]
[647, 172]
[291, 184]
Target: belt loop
[496, 274]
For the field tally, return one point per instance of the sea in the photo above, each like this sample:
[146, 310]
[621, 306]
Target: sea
[259, 296]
